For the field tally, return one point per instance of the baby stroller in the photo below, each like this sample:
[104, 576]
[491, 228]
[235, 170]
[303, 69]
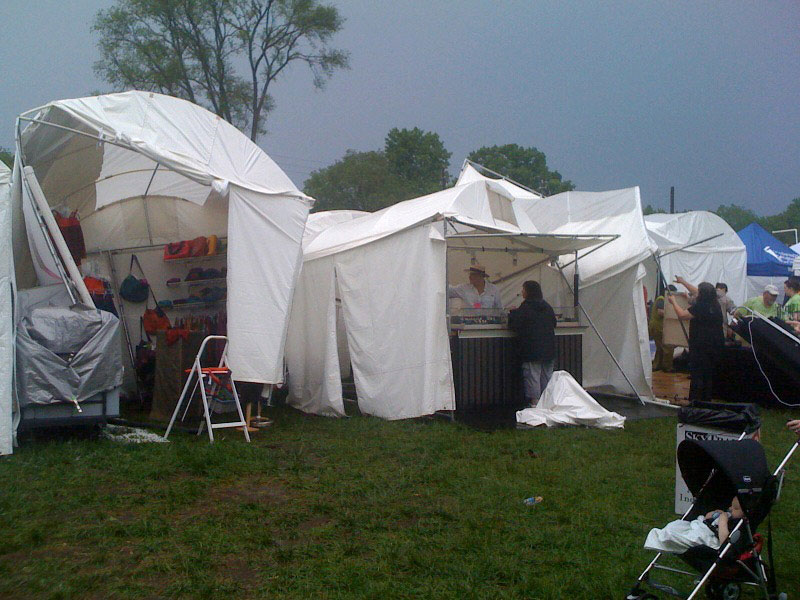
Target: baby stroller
[716, 472]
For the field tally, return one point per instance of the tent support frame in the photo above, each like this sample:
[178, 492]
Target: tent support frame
[602, 340]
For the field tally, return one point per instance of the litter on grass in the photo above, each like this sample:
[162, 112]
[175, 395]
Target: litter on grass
[131, 435]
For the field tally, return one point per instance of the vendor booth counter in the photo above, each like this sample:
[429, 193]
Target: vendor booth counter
[487, 372]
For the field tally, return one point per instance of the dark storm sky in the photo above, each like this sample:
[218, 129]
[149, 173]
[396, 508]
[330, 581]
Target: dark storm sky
[699, 95]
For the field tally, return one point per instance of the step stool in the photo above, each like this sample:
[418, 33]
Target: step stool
[213, 382]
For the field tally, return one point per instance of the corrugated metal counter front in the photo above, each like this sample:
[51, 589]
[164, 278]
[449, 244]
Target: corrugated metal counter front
[486, 368]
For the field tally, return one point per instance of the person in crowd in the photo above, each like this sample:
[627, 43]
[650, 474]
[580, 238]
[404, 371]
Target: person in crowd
[534, 322]
[478, 293]
[765, 304]
[792, 306]
[691, 288]
[663, 358]
[705, 339]
[728, 307]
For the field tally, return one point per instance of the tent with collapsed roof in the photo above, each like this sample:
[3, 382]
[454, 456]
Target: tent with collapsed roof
[699, 246]
[143, 169]
[612, 289]
[769, 260]
[389, 271]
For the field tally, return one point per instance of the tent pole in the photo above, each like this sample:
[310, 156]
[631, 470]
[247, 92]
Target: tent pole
[713, 237]
[602, 341]
[447, 310]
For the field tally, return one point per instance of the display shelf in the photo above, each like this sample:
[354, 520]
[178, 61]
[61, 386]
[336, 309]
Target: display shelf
[196, 282]
[190, 305]
[191, 259]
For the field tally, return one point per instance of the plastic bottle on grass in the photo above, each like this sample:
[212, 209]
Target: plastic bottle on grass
[533, 501]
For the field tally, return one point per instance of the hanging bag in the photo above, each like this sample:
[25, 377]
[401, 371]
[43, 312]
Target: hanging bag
[155, 319]
[145, 356]
[133, 289]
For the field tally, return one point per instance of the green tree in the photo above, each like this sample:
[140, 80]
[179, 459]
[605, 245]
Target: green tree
[222, 54]
[527, 166]
[7, 157]
[738, 217]
[788, 219]
[418, 157]
[651, 210]
[359, 181]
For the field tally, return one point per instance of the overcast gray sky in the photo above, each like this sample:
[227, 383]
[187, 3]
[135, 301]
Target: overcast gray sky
[704, 96]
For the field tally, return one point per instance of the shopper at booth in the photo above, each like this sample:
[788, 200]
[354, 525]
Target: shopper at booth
[664, 354]
[765, 304]
[705, 338]
[479, 292]
[792, 307]
[534, 322]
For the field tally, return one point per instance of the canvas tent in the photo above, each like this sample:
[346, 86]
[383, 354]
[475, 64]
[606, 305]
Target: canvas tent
[612, 292]
[389, 271]
[142, 170]
[699, 246]
[6, 318]
[769, 261]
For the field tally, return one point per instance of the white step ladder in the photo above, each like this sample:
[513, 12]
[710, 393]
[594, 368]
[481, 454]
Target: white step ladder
[212, 383]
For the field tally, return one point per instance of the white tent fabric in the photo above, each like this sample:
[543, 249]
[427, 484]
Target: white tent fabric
[611, 278]
[723, 258]
[389, 269]
[565, 402]
[151, 169]
[6, 317]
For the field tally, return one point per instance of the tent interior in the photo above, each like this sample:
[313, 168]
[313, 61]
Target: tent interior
[616, 354]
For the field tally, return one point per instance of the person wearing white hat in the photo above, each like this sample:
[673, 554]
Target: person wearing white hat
[765, 304]
[479, 292]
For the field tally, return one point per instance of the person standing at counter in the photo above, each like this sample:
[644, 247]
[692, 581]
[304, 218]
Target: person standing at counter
[534, 322]
[478, 293]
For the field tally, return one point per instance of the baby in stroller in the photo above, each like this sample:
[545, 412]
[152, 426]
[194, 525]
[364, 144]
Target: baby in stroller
[711, 529]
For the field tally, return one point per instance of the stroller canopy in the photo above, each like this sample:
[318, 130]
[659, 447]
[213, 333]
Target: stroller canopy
[740, 469]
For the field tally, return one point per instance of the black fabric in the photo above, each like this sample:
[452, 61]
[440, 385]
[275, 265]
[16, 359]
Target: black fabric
[534, 322]
[727, 417]
[701, 371]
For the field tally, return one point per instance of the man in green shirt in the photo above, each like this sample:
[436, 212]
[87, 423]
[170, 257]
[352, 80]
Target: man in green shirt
[764, 304]
[791, 309]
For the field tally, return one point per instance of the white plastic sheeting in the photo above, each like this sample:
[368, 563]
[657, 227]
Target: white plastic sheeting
[6, 316]
[153, 169]
[565, 402]
[721, 259]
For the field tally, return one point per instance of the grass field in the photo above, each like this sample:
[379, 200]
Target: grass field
[352, 508]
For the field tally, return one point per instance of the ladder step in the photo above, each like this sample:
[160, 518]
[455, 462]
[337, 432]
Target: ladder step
[223, 425]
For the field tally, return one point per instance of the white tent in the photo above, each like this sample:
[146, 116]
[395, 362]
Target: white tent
[388, 269]
[144, 169]
[700, 246]
[611, 278]
[6, 318]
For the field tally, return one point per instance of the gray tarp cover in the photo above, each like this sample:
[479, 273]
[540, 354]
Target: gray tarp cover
[65, 353]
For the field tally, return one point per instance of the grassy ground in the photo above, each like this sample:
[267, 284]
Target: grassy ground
[355, 508]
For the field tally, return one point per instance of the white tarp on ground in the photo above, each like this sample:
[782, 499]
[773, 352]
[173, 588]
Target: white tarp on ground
[6, 317]
[611, 288]
[565, 402]
[388, 270]
[722, 259]
[167, 170]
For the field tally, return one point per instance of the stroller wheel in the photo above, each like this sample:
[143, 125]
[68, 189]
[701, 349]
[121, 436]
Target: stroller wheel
[723, 590]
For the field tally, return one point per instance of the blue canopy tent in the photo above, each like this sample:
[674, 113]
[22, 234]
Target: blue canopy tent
[768, 259]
